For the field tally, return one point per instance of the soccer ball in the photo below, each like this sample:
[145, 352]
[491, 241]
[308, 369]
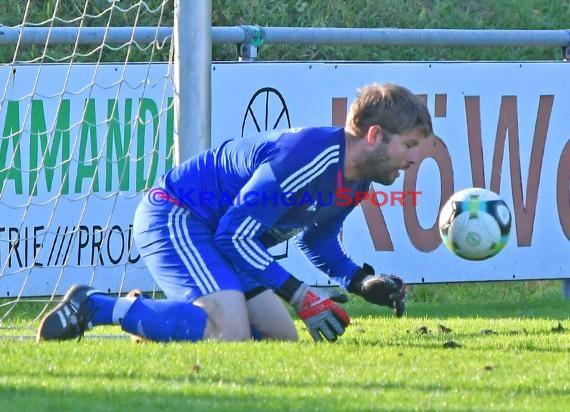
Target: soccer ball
[475, 224]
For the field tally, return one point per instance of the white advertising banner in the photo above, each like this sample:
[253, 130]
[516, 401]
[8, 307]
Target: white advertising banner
[78, 146]
[499, 125]
[502, 126]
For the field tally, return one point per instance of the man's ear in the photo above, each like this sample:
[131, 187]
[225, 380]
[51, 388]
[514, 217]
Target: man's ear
[374, 135]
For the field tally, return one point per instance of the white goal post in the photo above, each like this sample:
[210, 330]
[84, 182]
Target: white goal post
[87, 123]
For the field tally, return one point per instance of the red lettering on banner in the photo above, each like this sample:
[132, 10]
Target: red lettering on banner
[508, 123]
[374, 198]
[524, 201]
[563, 190]
[374, 218]
[473, 114]
[361, 196]
[339, 111]
[413, 194]
[376, 224]
[397, 197]
[428, 239]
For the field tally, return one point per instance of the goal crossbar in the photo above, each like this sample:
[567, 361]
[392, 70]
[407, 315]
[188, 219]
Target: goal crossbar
[298, 35]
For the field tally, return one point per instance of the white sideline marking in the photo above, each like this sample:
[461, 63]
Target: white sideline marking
[90, 337]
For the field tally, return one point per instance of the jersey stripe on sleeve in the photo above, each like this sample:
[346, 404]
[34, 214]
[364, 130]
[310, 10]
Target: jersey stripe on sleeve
[247, 248]
[310, 171]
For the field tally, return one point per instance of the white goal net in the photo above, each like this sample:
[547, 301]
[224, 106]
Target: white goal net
[86, 123]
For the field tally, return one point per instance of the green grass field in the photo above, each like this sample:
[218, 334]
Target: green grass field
[471, 347]
[510, 352]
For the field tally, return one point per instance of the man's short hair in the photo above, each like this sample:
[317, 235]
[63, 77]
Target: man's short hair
[393, 107]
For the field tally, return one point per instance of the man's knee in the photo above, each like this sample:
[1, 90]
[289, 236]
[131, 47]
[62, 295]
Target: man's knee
[227, 332]
[227, 316]
[270, 318]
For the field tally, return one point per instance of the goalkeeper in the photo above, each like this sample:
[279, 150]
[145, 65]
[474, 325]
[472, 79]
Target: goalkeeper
[205, 229]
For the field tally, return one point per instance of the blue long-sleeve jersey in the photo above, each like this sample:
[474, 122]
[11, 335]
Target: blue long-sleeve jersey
[258, 192]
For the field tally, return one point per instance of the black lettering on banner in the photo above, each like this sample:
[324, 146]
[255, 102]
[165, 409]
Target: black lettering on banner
[53, 246]
[65, 231]
[115, 229]
[14, 242]
[97, 236]
[57, 246]
[83, 241]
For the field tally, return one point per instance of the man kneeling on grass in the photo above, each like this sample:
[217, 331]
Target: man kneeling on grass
[205, 229]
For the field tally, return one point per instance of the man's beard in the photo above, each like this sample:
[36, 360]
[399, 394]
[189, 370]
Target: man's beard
[375, 168]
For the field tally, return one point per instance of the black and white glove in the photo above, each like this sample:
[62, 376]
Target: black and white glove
[322, 316]
[383, 290]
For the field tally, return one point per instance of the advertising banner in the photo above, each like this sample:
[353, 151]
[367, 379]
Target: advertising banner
[74, 160]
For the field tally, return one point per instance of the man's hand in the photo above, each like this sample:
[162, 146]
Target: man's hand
[381, 290]
[322, 316]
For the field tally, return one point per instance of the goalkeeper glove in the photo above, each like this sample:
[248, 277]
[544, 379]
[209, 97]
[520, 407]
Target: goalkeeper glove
[379, 289]
[322, 316]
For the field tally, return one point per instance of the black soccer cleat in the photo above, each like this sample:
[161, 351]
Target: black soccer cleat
[400, 308]
[70, 318]
[398, 298]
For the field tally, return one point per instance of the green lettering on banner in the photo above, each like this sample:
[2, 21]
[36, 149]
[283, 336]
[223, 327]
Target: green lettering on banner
[120, 144]
[11, 169]
[87, 168]
[169, 151]
[63, 131]
[51, 147]
[60, 143]
[147, 105]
